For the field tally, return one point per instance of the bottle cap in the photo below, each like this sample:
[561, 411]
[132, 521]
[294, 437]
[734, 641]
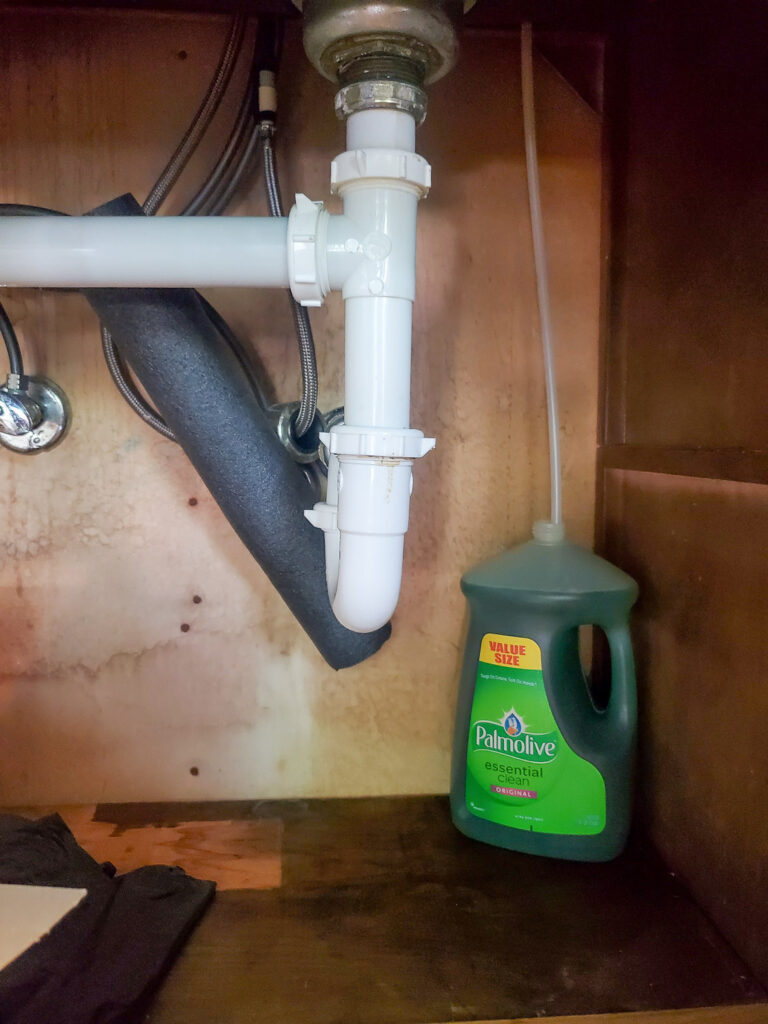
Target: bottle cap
[546, 532]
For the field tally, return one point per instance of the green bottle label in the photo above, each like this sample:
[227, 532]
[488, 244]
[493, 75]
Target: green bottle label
[520, 771]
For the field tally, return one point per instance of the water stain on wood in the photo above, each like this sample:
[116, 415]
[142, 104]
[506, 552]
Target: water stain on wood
[243, 854]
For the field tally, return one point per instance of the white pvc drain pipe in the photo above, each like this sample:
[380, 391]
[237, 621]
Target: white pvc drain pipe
[369, 253]
[143, 252]
[365, 516]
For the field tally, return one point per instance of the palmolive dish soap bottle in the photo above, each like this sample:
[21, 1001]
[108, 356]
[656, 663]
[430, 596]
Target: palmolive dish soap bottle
[536, 766]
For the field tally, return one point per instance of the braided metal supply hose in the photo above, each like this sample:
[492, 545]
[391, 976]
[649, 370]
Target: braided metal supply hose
[202, 119]
[226, 193]
[306, 414]
[124, 383]
[207, 192]
[198, 126]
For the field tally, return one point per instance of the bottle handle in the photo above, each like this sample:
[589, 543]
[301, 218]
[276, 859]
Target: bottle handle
[622, 704]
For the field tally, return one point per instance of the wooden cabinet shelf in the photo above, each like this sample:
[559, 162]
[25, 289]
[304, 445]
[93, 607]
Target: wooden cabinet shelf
[376, 911]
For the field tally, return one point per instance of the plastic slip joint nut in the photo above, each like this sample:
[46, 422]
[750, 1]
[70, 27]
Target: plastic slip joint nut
[378, 443]
[384, 164]
[305, 225]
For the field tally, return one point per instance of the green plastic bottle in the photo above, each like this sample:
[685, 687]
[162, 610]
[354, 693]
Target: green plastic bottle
[536, 766]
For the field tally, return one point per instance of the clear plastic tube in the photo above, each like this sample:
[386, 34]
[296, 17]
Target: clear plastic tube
[542, 277]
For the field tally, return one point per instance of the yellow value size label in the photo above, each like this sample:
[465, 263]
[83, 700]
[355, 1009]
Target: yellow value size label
[515, 651]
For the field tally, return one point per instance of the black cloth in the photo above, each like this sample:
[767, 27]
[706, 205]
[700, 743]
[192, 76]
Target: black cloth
[101, 963]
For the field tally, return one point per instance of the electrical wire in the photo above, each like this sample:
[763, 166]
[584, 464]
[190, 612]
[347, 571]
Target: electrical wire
[542, 277]
[16, 364]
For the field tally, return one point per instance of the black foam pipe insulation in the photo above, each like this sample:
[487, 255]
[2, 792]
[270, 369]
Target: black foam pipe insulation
[197, 384]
